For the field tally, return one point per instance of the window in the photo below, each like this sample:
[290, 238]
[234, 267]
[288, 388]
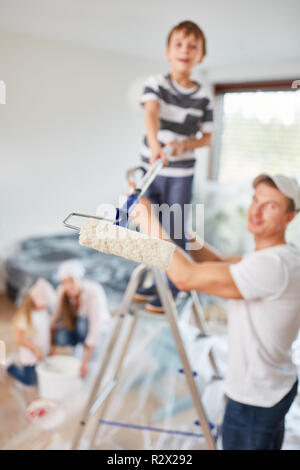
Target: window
[259, 131]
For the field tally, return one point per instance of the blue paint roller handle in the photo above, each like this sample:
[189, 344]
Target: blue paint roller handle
[122, 214]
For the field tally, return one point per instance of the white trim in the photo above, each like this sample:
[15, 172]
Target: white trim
[253, 72]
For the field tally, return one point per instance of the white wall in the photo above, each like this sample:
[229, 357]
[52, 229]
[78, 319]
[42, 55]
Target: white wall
[255, 72]
[67, 131]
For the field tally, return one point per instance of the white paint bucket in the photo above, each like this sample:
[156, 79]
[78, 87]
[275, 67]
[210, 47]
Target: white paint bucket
[58, 377]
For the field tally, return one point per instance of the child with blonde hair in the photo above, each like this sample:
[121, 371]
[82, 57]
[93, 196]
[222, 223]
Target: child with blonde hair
[32, 331]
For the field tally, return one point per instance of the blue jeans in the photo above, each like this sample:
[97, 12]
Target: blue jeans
[168, 190]
[255, 427]
[24, 374]
[65, 337]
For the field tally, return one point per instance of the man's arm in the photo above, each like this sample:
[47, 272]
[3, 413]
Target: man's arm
[233, 259]
[209, 277]
[213, 278]
[202, 251]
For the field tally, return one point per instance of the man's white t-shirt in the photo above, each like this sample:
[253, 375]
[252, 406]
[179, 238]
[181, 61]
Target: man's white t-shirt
[263, 326]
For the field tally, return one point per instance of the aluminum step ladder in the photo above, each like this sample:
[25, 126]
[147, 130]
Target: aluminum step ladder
[97, 404]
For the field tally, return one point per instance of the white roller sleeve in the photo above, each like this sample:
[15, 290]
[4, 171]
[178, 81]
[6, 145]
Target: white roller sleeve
[108, 238]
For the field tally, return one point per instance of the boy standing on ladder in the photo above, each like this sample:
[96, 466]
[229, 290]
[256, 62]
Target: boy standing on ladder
[176, 109]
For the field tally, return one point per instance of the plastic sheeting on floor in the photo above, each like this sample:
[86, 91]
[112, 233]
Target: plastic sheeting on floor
[151, 407]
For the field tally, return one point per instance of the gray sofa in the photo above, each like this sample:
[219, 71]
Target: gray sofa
[40, 257]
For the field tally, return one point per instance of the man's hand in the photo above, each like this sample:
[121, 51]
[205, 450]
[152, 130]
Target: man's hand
[141, 213]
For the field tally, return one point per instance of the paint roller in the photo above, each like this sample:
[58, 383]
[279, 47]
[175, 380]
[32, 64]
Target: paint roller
[113, 236]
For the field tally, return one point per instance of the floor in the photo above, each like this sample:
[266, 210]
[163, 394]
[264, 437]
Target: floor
[148, 401]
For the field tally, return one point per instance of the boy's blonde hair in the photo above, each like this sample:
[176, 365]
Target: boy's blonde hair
[189, 27]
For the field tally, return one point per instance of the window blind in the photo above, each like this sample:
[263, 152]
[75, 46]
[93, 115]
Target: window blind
[260, 132]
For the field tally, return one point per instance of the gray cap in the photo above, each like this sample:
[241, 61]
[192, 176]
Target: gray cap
[286, 184]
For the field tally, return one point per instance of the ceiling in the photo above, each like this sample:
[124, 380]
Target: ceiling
[239, 32]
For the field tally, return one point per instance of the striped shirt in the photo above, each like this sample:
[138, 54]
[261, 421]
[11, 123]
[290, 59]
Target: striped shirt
[183, 113]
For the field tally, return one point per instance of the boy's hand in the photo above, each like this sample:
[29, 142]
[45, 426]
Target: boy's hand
[157, 153]
[177, 146]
